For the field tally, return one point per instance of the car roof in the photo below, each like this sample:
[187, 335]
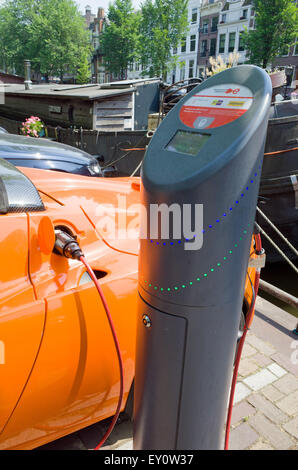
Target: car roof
[23, 147]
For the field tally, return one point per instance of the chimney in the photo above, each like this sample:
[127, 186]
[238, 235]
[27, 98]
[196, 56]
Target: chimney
[27, 82]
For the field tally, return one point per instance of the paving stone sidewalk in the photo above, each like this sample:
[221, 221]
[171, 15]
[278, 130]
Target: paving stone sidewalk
[265, 415]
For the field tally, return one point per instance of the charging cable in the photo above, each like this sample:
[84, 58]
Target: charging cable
[67, 246]
[255, 288]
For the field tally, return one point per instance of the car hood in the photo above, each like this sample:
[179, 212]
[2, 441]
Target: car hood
[111, 205]
[24, 147]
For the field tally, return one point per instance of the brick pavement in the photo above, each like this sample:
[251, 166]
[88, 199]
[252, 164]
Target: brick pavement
[265, 415]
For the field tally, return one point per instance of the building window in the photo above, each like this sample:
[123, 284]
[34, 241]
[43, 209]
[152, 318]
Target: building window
[137, 66]
[244, 15]
[223, 18]
[182, 71]
[232, 38]
[241, 46]
[191, 68]
[193, 43]
[205, 26]
[214, 23]
[213, 47]
[183, 44]
[174, 50]
[203, 49]
[194, 15]
[130, 67]
[222, 43]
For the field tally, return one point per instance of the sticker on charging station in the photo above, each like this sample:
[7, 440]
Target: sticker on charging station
[216, 106]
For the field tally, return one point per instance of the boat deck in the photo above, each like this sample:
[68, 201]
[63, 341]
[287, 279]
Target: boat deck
[265, 415]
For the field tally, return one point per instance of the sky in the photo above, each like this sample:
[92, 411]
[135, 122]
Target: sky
[94, 4]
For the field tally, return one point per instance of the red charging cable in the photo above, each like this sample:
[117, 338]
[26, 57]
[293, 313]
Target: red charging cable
[105, 305]
[258, 242]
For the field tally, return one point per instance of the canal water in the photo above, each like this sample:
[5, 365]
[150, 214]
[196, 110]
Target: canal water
[283, 276]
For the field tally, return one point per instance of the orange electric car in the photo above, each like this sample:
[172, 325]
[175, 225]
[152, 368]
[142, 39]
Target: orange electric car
[58, 364]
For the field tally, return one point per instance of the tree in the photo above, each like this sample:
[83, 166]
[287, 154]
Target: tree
[84, 73]
[164, 24]
[120, 36]
[50, 33]
[276, 28]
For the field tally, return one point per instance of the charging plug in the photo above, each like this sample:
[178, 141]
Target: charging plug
[67, 246]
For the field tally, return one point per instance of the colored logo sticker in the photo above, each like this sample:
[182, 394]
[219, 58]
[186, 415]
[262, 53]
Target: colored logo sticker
[216, 106]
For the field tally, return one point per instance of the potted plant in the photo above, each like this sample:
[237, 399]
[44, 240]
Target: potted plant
[33, 127]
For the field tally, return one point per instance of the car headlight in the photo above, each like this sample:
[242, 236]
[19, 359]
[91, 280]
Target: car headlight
[94, 169]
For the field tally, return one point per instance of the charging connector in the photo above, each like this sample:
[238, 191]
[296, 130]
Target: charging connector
[67, 246]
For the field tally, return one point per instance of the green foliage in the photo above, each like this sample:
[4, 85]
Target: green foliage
[50, 33]
[276, 24]
[120, 37]
[163, 25]
[84, 72]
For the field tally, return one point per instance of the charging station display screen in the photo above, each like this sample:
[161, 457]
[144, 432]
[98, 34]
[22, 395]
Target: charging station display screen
[189, 143]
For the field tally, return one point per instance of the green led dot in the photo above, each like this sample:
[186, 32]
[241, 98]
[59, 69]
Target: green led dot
[240, 238]
[176, 288]
[225, 257]
[169, 288]
[198, 278]
[190, 283]
[205, 274]
[245, 231]
[183, 287]
[230, 252]
[212, 269]
[218, 264]
[161, 288]
[146, 282]
[150, 285]
[236, 246]
[155, 288]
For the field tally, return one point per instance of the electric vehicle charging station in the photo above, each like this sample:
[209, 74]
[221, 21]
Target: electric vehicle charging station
[205, 161]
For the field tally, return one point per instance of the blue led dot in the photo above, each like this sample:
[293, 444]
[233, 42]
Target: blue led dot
[172, 243]
[157, 243]
[256, 174]
[225, 215]
[164, 244]
[179, 242]
[217, 221]
[237, 202]
[242, 195]
[251, 181]
[210, 226]
[246, 188]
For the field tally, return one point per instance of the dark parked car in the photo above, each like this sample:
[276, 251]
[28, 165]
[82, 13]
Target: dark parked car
[48, 155]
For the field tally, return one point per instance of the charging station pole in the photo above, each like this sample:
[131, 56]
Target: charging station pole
[202, 169]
